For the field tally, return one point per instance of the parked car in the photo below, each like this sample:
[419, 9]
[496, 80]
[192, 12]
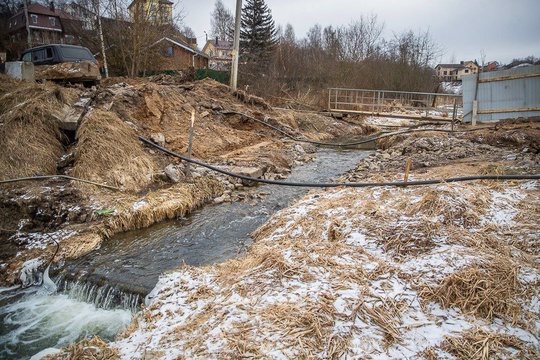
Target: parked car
[63, 63]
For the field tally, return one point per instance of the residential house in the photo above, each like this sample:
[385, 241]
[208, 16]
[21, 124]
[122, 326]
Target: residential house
[220, 54]
[157, 12]
[490, 66]
[86, 16]
[177, 54]
[455, 72]
[43, 23]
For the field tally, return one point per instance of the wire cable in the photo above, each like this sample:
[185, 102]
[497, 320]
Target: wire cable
[359, 142]
[325, 185]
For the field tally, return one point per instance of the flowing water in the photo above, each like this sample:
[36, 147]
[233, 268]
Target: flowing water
[97, 292]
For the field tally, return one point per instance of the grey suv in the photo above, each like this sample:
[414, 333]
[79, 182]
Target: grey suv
[63, 63]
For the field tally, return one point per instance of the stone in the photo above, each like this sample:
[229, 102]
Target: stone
[172, 173]
[158, 138]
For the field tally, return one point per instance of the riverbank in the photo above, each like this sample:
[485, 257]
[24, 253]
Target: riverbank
[133, 185]
[439, 271]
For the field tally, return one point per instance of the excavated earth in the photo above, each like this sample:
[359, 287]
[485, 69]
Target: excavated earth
[421, 272]
[151, 186]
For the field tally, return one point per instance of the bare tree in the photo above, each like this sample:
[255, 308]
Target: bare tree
[134, 29]
[360, 38]
[222, 22]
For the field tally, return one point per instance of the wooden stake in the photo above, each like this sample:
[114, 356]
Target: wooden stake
[190, 142]
[407, 169]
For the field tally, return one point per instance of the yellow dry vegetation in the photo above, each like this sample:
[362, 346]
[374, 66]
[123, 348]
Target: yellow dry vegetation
[108, 151]
[30, 136]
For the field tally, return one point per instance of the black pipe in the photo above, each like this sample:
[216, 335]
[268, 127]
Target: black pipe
[324, 185]
[359, 142]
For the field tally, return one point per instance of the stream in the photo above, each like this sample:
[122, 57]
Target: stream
[99, 292]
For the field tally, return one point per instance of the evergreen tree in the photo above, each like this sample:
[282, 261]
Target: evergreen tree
[257, 33]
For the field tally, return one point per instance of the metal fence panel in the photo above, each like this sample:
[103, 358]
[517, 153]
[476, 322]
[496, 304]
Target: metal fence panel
[502, 94]
[406, 104]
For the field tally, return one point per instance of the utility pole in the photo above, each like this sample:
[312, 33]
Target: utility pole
[236, 45]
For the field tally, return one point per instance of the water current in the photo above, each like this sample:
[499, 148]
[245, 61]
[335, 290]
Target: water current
[97, 293]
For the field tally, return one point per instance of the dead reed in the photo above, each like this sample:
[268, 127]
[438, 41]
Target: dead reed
[91, 349]
[488, 289]
[451, 207]
[478, 344]
[29, 132]
[386, 314]
[171, 203]
[109, 151]
[305, 328]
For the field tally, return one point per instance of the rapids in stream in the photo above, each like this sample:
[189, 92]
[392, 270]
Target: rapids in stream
[98, 292]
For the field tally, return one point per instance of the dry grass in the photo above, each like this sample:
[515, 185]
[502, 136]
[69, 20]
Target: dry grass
[29, 131]
[451, 206]
[176, 201]
[87, 349]
[109, 151]
[477, 344]
[306, 328]
[487, 290]
[386, 314]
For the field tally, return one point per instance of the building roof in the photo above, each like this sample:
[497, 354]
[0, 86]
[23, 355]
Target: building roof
[461, 65]
[182, 45]
[221, 44]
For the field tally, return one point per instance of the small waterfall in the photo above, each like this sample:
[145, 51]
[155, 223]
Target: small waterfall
[102, 295]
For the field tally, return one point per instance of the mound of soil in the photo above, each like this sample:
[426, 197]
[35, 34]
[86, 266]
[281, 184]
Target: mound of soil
[106, 151]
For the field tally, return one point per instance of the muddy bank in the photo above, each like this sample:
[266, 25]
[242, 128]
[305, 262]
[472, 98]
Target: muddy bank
[439, 271]
[105, 149]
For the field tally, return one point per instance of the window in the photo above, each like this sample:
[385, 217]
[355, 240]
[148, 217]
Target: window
[34, 18]
[52, 21]
[466, 71]
[445, 72]
[169, 51]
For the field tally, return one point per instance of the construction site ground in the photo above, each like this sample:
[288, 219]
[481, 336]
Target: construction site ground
[449, 270]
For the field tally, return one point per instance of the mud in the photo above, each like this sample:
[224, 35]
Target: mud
[81, 216]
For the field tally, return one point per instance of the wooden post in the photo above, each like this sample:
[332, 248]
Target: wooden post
[190, 143]
[474, 111]
[407, 169]
[454, 115]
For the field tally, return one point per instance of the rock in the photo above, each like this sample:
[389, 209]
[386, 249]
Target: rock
[386, 156]
[158, 138]
[298, 148]
[204, 114]
[223, 198]
[173, 173]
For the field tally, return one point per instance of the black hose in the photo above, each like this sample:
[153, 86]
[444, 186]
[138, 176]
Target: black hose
[324, 185]
[359, 142]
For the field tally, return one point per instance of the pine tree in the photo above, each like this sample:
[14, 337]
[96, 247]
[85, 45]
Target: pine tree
[257, 33]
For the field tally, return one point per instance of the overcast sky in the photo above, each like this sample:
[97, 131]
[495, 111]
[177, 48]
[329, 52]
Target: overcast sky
[502, 29]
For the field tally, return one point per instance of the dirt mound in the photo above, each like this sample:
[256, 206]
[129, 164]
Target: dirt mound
[456, 154]
[109, 151]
